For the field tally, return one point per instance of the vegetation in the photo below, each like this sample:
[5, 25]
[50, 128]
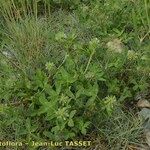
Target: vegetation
[70, 70]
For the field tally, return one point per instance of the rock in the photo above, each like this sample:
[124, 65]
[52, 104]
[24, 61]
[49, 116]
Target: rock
[145, 114]
[147, 133]
[143, 104]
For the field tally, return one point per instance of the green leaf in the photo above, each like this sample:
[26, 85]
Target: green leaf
[87, 124]
[40, 78]
[70, 94]
[55, 129]
[34, 128]
[80, 91]
[90, 102]
[66, 77]
[58, 87]
[84, 127]
[83, 131]
[42, 99]
[52, 93]
[72, 113]
[70, 123]
[48, 107]
[92, 90]
[42, 110]
[126, 93]
[109, 104]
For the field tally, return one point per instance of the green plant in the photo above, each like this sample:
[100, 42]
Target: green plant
[122, 131]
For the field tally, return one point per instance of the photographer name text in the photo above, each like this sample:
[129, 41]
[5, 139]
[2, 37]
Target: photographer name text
[46, 144]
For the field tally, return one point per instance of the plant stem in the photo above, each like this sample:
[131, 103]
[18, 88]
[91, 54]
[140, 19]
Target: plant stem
[89, 61]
